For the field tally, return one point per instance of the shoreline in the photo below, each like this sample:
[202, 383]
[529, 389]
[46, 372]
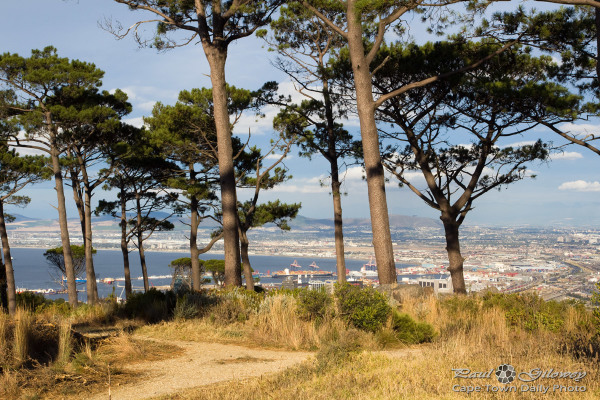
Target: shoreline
[213, 253]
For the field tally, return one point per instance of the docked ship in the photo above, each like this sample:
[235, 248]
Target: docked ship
[368, 270]
[315, 272]
[286, 272]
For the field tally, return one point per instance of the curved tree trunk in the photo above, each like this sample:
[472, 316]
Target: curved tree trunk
[216, 58]
[455, 258]
[140, 243]
[3, 288]
[338, 224]
[194, 253]
[380, 223]
[62, 220]
[244, 244]
[143, 263]
[332, 157]
[92, 286]
[11, 293]
[78, 202]
[124, 249]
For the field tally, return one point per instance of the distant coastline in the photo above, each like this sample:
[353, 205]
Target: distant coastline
[213, 252]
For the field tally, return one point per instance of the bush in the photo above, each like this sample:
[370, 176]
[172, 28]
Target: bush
[365, 308]
[192, 304]
[152, 306]
[529, 311]
[235, 305]
[409, 331]
[32, 301]
[314, 305]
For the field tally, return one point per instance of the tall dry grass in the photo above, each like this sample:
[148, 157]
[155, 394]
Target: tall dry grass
[22, 332]
[471, 336]
[4, 344]
[65, 341]
[277, 322]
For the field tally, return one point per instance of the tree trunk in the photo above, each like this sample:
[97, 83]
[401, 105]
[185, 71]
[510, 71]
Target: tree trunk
[92, 286]
[194, 253]
[11, 293]
[78, 202]
[124, 249]
[62, 220]
[140, 242]
[3, 289]
[455, 259]
[216, 58]
[246, 261]
[337, 222]
[597, 23]
[335, 185]
[382, 239]
[143, 263]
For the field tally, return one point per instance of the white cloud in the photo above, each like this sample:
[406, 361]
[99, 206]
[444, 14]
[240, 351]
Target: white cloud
[146, 106]
[580, 129]
[581, 186]
[274, 156]
[249, 122]
[24, 151]
[566, 155]
[298, 187]
[137, 122]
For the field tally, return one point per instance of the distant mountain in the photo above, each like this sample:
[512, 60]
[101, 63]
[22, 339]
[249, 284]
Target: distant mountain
[21, 217]
[300, 223]
[396, 222]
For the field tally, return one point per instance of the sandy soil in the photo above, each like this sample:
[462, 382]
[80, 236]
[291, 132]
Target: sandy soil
[201, 364]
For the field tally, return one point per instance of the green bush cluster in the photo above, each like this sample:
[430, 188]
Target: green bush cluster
[365, 308]
[314, 305]
[529, 311]
[235, 305]
[152, 306]
[408, 331]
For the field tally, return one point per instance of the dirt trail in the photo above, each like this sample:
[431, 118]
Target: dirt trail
[201, 364]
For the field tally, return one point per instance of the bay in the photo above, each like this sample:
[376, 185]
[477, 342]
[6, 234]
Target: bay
[33, 272]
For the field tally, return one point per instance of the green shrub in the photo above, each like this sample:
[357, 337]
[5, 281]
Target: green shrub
[314, 305]
[152, 306]
[365, 308]
[32, 301]
[409, 331]
[529, 311]
[235, 305]
[192, 304]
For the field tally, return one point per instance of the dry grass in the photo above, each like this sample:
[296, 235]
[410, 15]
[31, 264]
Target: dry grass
[124, 349]
[470, 335]
[21, 335]
[277, 323]
[4, 344]
[197, 330]
[478, 341]
[422, 375]
[65, 342]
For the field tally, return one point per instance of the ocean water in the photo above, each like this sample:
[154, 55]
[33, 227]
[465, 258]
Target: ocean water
[32, 271]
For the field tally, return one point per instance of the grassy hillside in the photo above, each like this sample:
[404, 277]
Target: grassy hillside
[368, 345]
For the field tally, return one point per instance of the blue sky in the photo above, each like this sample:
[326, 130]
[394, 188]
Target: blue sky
[565, 192]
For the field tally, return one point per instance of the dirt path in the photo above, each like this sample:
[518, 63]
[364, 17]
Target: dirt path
[201, 364]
